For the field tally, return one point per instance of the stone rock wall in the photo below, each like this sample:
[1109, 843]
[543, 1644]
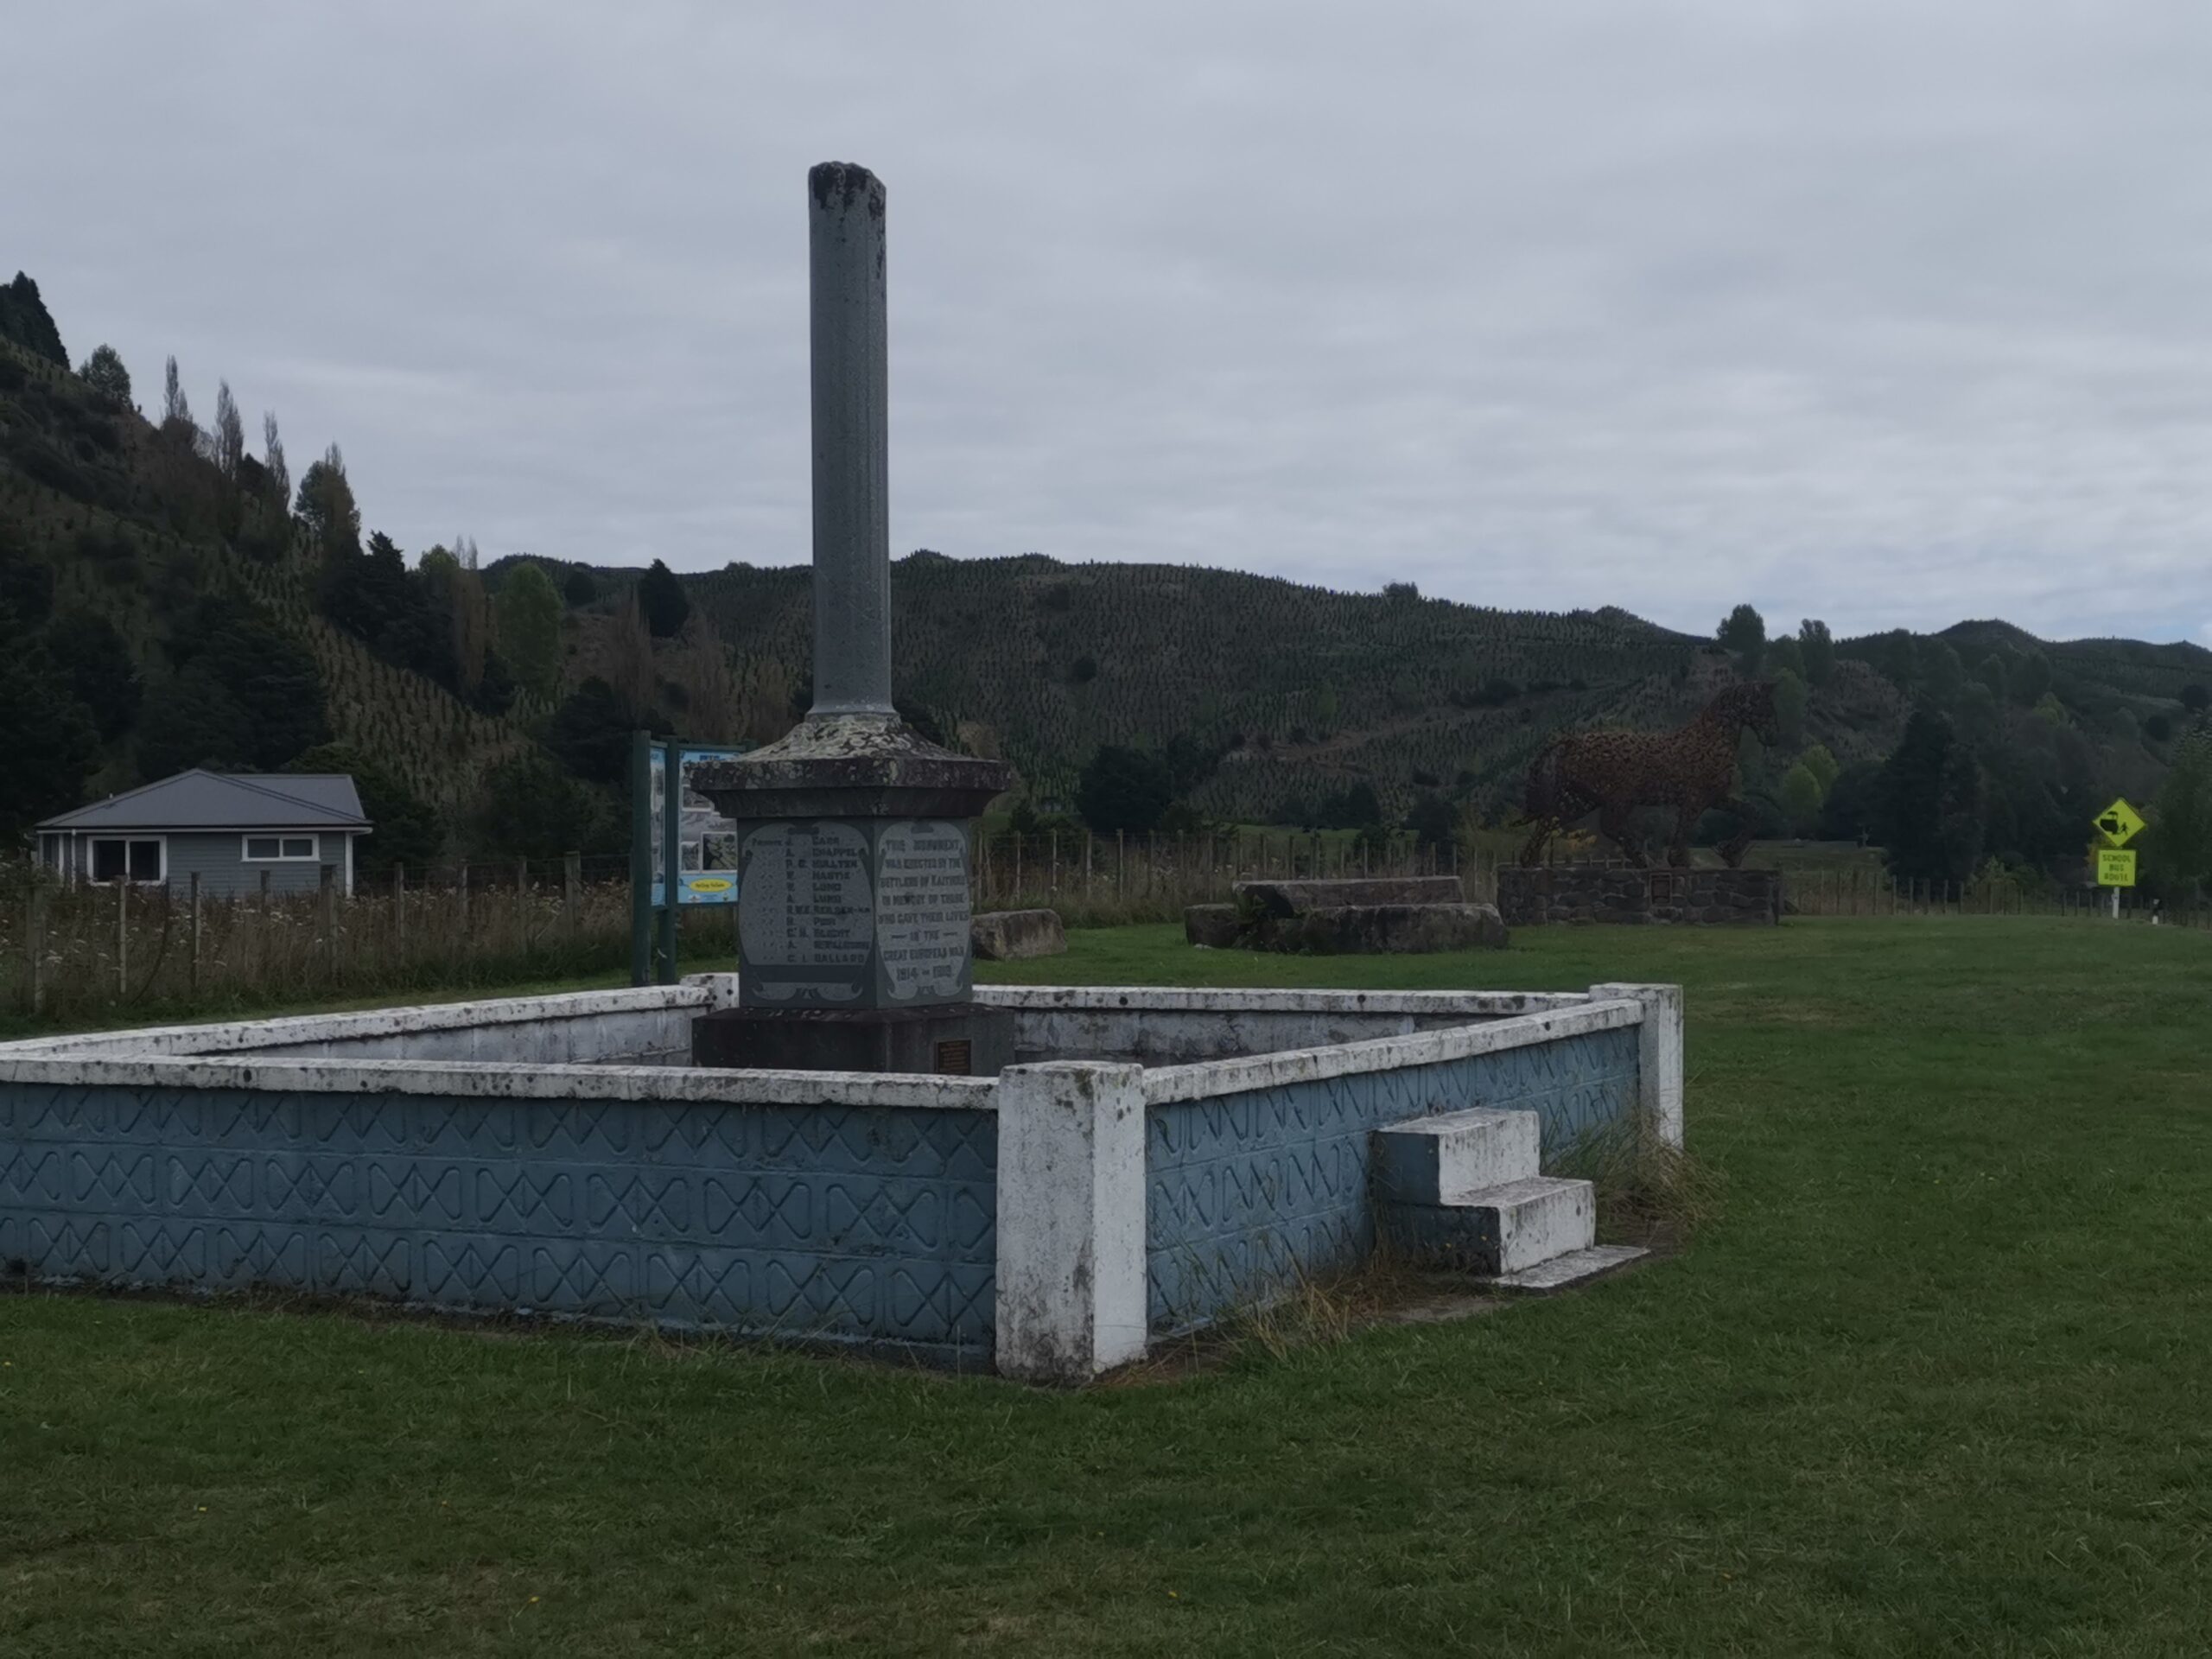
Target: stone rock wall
[1624, 896]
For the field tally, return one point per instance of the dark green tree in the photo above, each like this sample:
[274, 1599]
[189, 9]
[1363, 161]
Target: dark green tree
[527, 612]
[591, 732]
[92, 657]
[661, 597]
[1931, 806]
[48, 743]
[105, 374]
[1790, 699]
[578, 590]
[2032, 678]
[2179, 844]
[1852, 810]
[193, 721]
[1817, 647]
[1124, 789]
[1743, 634]
[326, 508]
[25, 319]
[1433, 822]
[26, 588]
[1943, 674]
[270, 679]
[531, 808]
[409, 832]
[2195, 698]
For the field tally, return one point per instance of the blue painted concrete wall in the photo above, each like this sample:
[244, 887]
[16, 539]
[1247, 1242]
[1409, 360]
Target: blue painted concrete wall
[1246, 1192]
[851, 1224]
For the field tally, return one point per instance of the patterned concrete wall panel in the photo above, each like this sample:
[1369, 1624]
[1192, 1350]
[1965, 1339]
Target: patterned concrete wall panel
[1247, 1192]
[850, 1223]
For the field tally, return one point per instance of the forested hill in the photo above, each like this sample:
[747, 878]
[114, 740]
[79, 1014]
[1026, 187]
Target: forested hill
[173, 594]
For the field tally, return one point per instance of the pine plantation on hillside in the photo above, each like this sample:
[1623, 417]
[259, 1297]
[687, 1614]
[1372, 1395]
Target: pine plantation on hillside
[169, 598]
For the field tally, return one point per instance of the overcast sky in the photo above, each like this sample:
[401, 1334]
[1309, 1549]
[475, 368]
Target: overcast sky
[1887, 314]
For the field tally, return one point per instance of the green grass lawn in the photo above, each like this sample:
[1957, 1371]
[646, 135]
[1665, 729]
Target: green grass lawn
[1939, 1380]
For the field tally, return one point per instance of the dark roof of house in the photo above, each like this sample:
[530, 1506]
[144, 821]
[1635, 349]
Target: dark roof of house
[224, 800]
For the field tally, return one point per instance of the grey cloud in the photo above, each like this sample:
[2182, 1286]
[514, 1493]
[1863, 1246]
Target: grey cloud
[1887, 313]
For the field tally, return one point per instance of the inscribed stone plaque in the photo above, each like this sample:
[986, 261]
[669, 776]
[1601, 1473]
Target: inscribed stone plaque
[805, 922]
[921, 912]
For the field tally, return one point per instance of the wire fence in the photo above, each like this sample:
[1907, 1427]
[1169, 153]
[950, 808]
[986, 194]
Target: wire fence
[85, 954]
[1095, 881]
[1873, 894]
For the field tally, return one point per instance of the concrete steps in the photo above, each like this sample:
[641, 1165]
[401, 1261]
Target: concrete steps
[1465, 1190]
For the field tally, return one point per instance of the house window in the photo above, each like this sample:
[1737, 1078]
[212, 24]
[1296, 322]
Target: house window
[118, 859]
[280, 850]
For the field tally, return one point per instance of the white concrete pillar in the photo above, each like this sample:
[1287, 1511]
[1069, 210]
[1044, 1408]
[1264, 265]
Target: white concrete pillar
[1659, 1052]
[1071, 1220]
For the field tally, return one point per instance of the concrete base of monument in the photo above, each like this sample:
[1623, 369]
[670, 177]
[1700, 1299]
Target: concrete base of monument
[952, 1039]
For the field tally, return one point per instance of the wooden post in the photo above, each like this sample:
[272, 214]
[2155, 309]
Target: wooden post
[1017, 866]
[1121, 864]
[327, 905]
[195, 935]
[35, 939]
[522, 903]
[122, 936]
[399, 912]
[572, 893]
[1053, 879]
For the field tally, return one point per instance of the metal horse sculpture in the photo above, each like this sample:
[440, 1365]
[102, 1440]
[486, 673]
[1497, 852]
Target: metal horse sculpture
[1612, 773]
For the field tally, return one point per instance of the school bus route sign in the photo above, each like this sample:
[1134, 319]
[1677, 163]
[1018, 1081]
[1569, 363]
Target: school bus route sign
[2115, 868]
[2120, 823]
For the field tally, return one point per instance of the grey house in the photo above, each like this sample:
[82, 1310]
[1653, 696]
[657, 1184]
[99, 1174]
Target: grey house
[230, 828]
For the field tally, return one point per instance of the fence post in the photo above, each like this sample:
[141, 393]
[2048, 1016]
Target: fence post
[327, 904]
[572, 881]
[1017, 868]
[522, 901]
[399, 913]
[122, 937]
[195, 935]
[35, 939]
[1121, 863]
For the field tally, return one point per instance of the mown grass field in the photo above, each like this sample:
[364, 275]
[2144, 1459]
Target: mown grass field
[1936, 1381]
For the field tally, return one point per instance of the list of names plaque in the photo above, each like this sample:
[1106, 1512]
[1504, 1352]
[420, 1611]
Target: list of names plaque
[922, 911]
[804, 922]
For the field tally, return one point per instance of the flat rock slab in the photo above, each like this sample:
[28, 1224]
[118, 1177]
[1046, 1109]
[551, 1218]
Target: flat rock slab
[1575, 1268]
[1382, 930]
[1015, 935]
[1281, 899]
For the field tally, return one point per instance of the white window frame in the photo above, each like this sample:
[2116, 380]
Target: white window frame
[91, 859]
[313, 855]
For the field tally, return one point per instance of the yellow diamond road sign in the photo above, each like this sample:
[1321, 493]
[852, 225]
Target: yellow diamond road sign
[2115, 868]
[2120, 823]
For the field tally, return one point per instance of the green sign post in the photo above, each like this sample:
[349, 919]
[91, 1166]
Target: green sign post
[667, 824]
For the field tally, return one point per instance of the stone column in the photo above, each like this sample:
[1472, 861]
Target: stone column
[852, 517]
[1072, 1291]
[1659, 1053]
[853, 832]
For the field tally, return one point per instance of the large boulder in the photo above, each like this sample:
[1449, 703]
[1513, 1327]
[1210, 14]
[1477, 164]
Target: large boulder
[1383, 929]
[1258, 900]
[1012, 935]
[1212, 927]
